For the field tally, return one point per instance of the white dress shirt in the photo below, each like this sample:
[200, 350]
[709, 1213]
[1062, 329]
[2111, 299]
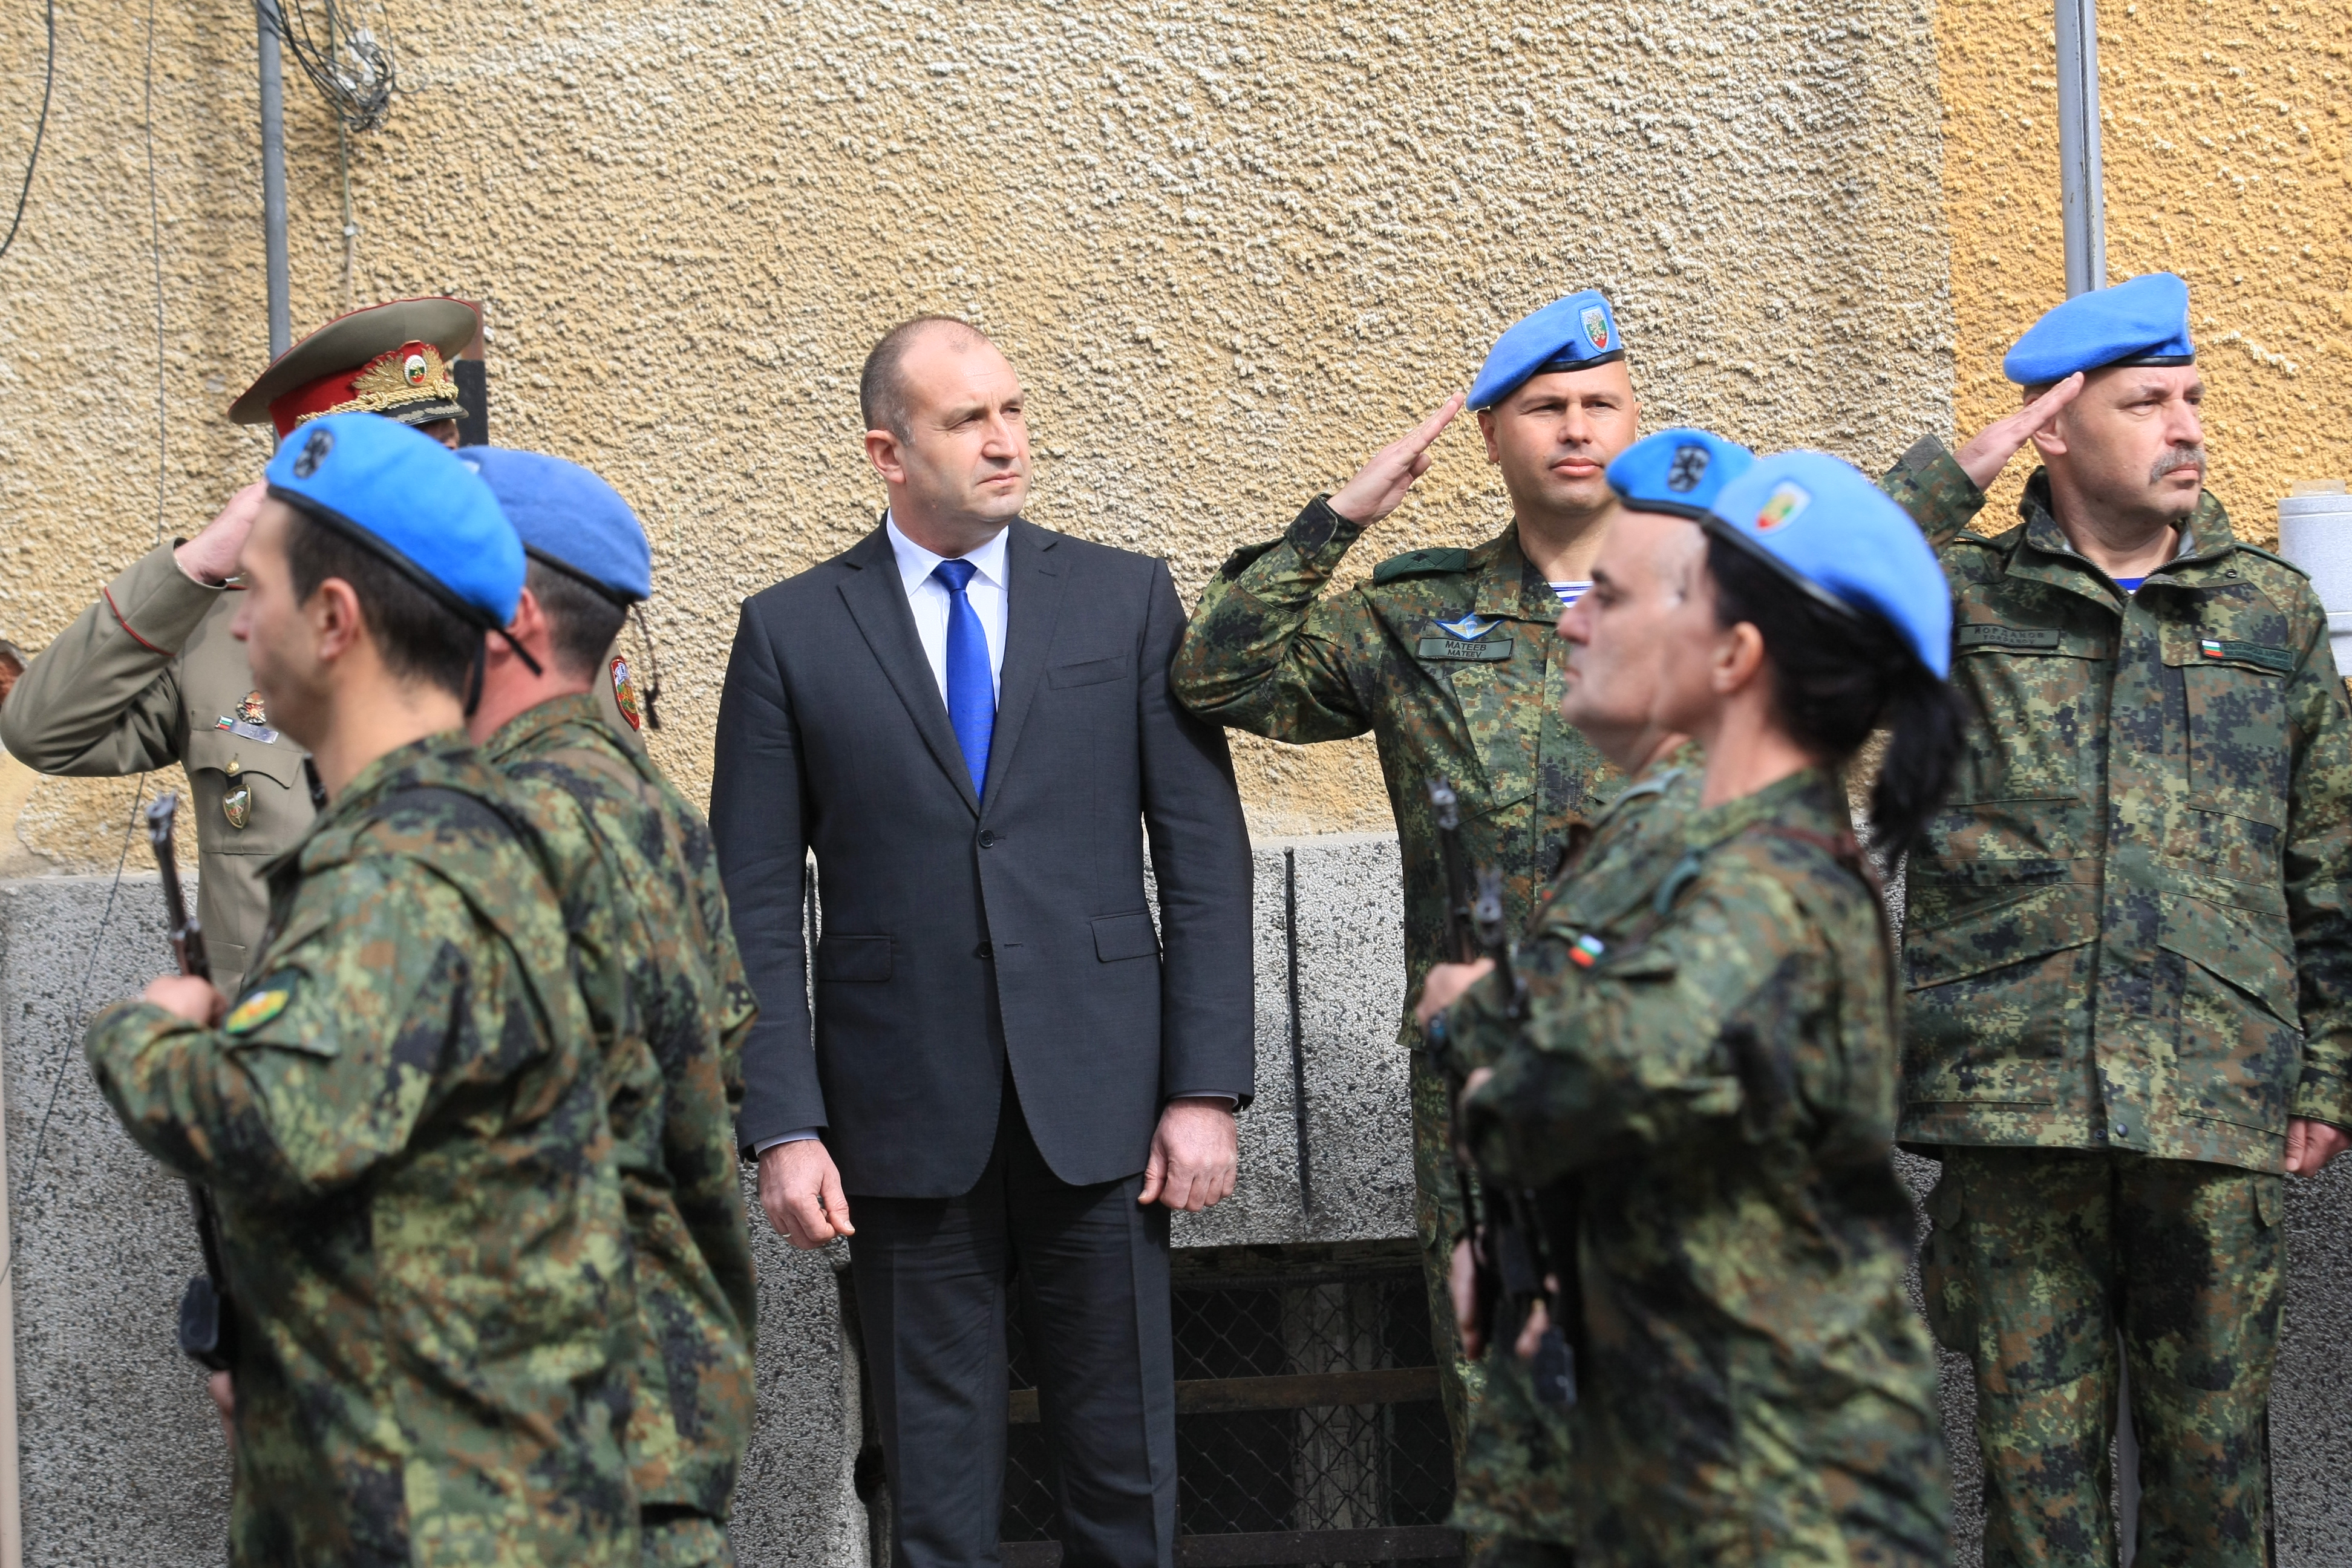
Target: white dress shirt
[930, 599]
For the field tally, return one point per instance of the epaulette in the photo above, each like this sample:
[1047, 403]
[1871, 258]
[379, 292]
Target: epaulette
[1420, 564]
[2273, 556]
[1966, 536]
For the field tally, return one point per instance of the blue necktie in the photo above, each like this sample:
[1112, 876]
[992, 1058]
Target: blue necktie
[971, 688]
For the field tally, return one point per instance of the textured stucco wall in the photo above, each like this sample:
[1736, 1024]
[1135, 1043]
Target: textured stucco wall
[2223, 131]
[1232, 247]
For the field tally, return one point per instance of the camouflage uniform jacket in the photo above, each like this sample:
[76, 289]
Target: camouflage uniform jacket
[669, 1006]
[2129, 929]
[405, 1133]
[1709, 1042]
[1447, 656]
[1647, 811]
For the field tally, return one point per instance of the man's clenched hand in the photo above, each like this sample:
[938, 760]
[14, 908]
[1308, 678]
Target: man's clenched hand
[1194, 1154]
[801, 1190]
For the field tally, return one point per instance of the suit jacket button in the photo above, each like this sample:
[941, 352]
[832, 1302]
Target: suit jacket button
[987, 837]
[985, 950]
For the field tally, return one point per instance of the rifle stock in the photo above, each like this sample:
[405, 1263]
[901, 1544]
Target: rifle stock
[1510, 1244]
[207, 1329]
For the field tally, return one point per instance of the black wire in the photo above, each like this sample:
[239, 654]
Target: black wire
[40, 129]
[74, 1019]
[155, 245]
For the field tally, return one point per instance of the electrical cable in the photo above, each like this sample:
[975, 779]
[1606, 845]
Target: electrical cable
[351, 67]
[40, 127]
[155, 245]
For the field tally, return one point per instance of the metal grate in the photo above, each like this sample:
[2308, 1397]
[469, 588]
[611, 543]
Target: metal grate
[1307, 1427]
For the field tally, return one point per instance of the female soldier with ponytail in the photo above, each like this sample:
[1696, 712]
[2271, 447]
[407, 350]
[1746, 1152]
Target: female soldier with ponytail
[1713, 1051]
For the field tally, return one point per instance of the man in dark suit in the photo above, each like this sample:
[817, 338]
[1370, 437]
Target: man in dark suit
[967, 719]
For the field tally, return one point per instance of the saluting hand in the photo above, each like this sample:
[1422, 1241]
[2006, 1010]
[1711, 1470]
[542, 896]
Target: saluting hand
[210, 557]
[1379, 485]
[1984, 458]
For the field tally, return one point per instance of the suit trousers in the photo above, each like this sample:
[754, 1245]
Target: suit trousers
[932, 1278]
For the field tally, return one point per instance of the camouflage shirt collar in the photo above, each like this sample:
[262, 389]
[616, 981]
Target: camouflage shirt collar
[2206, 537]
[1808, 799]
[536, 729]
[445, 760]
[1509, 588]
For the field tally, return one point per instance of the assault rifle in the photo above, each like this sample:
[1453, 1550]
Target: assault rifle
[207, 1330]
[1514, 1262]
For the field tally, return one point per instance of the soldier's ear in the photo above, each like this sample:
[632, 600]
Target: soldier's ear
[338, 625]
[1487, 433]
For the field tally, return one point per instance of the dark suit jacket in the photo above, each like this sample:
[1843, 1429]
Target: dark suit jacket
[832, 737]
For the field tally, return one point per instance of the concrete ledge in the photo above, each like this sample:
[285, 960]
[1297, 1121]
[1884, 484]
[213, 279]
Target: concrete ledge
[122, 1464]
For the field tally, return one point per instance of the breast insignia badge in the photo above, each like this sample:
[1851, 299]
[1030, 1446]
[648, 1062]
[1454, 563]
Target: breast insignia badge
[624, 693]
[251, 721]
[236, 804]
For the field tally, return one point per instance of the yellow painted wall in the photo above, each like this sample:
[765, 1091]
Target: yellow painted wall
[2223, 128]
[1233, 247]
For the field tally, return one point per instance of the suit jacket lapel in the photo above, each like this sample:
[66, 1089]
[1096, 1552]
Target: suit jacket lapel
[878, 602]
[1033, 590]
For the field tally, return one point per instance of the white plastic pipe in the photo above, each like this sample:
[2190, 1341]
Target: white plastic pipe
[2316, 533]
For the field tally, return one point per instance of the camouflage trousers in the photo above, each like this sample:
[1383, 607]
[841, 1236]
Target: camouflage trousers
[2037, 1258]
[1510, 1453]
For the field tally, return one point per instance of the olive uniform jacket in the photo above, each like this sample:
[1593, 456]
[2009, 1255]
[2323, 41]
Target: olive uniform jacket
[149, 675]
[2129, 929]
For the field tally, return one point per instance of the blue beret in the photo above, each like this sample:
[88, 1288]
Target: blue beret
[406, 497]
[1836, 535]
[570, 518]
[1678, 472]
[1574, 333]
[2143, 321]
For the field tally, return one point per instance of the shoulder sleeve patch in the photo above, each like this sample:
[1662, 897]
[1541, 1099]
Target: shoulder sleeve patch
[260, 1004]
[2273, 555]
[1420, 564]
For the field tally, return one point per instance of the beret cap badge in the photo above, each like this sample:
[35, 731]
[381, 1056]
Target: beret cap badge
[1688, 466]
[314, 452]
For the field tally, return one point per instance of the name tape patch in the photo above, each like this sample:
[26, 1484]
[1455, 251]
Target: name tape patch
[1979, 635]
[1491, 650]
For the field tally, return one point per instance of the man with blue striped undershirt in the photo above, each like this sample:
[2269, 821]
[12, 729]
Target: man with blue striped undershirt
[1448, 659]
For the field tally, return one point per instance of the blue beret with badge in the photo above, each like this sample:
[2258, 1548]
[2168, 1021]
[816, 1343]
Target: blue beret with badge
[2142, 322]
[1574, 333]
[1678, 472]
[1827, 530]
[568, 519]
[410, 499]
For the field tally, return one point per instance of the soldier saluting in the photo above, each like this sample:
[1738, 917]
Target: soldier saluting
[149, 676]
[1447, 657]
[2128, 948]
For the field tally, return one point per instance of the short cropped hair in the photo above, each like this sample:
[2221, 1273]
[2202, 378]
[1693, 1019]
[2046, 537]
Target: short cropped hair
[881, 388]
[582, 622]
[418, 637]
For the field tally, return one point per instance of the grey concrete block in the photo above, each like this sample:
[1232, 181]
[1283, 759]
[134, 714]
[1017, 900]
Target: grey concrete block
[121, 1458]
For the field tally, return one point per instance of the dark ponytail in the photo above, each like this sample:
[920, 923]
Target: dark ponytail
[1838, 676]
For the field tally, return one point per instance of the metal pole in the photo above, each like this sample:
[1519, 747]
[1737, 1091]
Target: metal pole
[273, 177]
[2081, 184]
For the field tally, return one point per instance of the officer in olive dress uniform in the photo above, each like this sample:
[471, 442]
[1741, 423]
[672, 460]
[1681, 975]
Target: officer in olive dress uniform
[149, 675]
